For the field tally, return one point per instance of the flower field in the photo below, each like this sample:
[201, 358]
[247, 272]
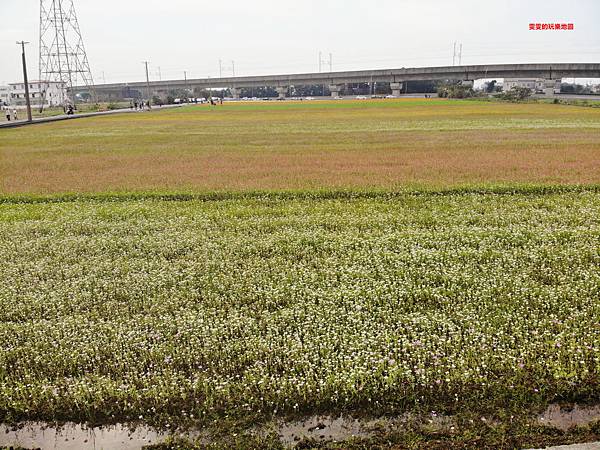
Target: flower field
[386, 144]
[245, 307]
[236, 267]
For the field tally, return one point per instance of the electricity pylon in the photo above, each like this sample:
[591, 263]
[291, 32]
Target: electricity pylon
[62, 53]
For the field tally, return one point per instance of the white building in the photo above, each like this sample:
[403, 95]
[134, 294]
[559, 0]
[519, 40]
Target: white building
[50, 93]
[4, 95]
[537, 85]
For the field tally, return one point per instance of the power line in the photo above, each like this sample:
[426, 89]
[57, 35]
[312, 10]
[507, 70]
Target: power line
[355, 62]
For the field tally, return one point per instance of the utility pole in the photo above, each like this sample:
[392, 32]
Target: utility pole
[159, 74]
[460, 55]
[147, 80]
[220, 69]
[320, 61]
[103, 77]
[185, 78]
[331, 62]
[233, 68]
[26, 80]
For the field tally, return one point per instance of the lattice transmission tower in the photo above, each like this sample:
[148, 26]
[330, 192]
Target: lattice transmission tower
[62, 54]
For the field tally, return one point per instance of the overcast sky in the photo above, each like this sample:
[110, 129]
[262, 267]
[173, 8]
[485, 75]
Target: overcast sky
[283, 36]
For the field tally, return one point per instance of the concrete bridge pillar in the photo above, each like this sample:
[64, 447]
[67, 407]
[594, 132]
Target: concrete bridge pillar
[550, 86]
[235, 92]
[396, 88]
[335, 89]
[468, 83]
[282, 91]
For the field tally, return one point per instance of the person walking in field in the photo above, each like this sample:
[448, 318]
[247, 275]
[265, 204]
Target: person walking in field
[15, 117]
[7, 112]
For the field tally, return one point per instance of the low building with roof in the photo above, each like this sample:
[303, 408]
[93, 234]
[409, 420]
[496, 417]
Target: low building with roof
[41, 93]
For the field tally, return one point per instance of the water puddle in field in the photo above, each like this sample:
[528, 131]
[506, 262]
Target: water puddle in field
[70, 436]
[332, 429]
[321, 428]
[565, 417]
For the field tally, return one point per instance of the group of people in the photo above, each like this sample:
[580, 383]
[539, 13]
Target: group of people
[139, 105]
[10, 115]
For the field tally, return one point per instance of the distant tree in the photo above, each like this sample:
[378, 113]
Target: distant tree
[201, 93]
[491, 86]
[516, 94]
[259, 92]
[567, 88]
[581, 89]
[309, 90]
[570, 88]
[455, 90]
[179, 93]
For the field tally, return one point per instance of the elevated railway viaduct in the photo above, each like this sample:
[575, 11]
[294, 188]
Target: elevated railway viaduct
[335, 81]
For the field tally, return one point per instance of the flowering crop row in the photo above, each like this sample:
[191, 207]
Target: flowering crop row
[175, 311]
